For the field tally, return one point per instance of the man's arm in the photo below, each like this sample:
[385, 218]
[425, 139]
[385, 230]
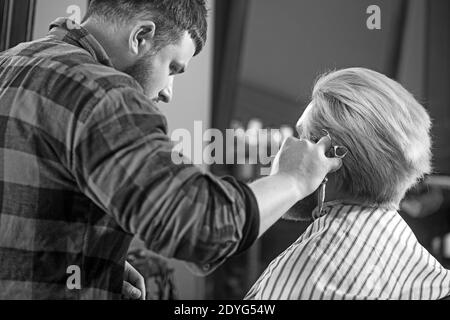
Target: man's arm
[297, 171]
[122, 160]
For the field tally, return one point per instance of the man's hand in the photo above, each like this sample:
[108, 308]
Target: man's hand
[133, 285]
[305, 164]
[297, 171]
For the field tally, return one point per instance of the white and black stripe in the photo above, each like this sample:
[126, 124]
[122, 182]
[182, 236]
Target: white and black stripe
[354, 252]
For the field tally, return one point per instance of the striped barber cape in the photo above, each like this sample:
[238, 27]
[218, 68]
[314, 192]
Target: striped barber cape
[354, 252]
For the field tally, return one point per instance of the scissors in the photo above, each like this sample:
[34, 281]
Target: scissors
[338, 152]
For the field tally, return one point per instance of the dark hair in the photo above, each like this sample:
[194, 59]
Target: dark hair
[171, 17]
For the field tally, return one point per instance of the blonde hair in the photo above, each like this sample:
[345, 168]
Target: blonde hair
[385, 129]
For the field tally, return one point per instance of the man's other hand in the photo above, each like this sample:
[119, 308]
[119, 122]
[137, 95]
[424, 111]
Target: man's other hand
[133, 284]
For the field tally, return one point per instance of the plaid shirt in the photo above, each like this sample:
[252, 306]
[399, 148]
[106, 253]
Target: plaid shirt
[85, 164]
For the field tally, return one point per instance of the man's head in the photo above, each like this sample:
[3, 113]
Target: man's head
[386, 131]
[151, 40]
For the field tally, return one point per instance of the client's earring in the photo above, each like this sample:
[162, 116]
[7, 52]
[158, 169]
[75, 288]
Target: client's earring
[326, 134]
[339, 152]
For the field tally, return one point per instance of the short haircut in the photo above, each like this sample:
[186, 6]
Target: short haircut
[172, 17]
[385, 129]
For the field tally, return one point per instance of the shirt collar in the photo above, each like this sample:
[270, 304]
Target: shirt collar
[70, 32]
[327, 206]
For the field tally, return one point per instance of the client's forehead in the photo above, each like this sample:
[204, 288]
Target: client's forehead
[303, 119]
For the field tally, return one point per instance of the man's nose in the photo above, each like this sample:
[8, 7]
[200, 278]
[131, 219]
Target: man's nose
[165, 95]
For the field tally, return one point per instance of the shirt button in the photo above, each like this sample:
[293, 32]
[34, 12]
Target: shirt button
[206, 267]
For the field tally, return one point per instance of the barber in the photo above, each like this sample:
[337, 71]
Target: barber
[90, 163]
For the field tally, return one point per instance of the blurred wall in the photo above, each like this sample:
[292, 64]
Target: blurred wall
[289, 43]
[191, 102]
[412, 71]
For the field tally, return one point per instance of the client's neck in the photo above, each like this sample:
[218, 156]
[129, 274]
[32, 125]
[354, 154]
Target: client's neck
[334, 194]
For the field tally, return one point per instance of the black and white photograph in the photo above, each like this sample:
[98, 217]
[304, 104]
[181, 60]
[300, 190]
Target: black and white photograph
[225, 156]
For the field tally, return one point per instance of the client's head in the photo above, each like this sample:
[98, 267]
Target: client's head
[386, 131]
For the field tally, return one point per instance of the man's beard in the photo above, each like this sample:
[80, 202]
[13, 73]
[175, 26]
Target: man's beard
[141, 72]
[302, 210]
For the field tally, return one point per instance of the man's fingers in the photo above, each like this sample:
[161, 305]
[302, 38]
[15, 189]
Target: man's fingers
[134, 277]
[129, 292]
[325, 143]
[335, 164]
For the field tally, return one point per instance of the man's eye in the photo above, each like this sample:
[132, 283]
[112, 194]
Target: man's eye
[173, 70]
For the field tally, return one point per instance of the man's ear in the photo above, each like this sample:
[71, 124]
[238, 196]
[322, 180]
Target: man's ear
[141, 36]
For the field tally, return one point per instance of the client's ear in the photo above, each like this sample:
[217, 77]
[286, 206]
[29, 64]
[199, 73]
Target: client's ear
[340, 153]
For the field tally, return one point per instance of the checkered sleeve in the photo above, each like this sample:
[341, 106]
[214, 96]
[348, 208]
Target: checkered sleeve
[122, 160]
